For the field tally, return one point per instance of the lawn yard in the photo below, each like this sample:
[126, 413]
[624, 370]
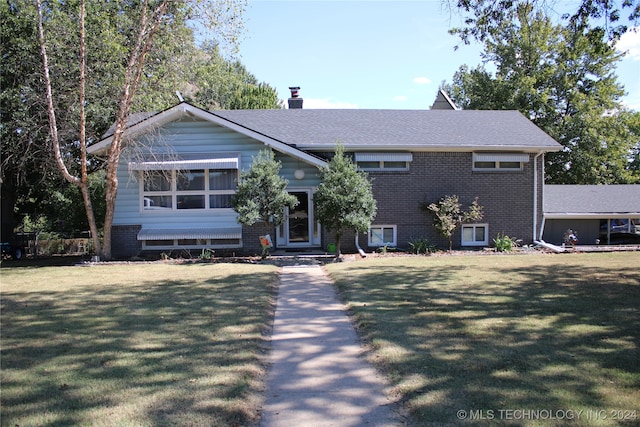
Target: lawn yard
[134, 344]
[503, 339]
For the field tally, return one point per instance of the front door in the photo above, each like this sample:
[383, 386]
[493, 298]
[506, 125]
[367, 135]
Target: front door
[298, 228]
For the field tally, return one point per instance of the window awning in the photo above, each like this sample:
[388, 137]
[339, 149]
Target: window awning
[385, 157]
[225, 163]
[189, 233]
[501, 157]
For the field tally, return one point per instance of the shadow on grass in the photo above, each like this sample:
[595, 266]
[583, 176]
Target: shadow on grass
[537, 337]
[174, 352]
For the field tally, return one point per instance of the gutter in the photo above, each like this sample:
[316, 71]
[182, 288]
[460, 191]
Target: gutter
[360, 250]
[535, 196]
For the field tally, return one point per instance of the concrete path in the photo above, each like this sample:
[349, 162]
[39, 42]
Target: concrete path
[317, 376]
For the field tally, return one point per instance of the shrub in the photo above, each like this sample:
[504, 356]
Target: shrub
[421, 246]
[504, 243]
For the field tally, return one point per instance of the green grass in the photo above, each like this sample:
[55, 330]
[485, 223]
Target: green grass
[134, 344]
[503, 332]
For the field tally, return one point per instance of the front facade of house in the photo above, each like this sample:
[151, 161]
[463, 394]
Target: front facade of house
[179, 171]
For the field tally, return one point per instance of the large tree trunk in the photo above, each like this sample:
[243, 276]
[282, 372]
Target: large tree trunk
[147, 30]
[82, 181]
[133, 73]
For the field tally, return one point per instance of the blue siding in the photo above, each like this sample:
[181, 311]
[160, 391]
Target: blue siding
[202, 138]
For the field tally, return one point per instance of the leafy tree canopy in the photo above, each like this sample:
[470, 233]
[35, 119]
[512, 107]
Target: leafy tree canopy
[563, 79]
[612, 18]
[174, 62]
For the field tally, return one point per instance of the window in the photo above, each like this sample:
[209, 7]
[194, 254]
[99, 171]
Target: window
[381, 235]
[188, 189]
[475, 234]
[383, 161]
[499, 161]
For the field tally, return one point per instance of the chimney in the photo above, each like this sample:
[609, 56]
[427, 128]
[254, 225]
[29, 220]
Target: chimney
[295, 101]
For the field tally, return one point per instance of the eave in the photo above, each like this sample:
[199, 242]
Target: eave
[593, 215]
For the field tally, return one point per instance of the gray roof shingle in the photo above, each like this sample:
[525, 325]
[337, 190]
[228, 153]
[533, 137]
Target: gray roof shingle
[396, 129]
[591, 199]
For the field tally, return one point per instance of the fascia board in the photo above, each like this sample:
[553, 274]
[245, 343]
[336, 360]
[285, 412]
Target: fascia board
[159, 119]
[432, 148]
[595, 215]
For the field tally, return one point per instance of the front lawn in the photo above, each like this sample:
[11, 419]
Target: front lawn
[134, 344]
[507, 339]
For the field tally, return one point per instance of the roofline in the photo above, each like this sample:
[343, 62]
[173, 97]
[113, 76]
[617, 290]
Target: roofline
[433, 148]
[183, 108]
[594, 215]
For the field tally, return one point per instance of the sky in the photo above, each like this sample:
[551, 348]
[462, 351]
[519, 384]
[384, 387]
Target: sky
[370, 54]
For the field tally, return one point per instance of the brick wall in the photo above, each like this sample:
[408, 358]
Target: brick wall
[507, 197]
[124, 241]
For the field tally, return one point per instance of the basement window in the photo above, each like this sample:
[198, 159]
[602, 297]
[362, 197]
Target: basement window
[381, 235]
[475, 234]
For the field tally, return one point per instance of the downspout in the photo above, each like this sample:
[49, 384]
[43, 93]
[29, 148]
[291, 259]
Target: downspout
[360, 251]
[535, 197]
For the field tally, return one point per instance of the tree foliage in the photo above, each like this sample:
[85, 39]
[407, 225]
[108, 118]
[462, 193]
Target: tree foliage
[173, 61]
[448, 215]
[261, 195]
[564, 80]
[608, 17]
[221, 83]
[344, 199]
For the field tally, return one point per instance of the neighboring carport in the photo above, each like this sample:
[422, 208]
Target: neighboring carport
[599, 214]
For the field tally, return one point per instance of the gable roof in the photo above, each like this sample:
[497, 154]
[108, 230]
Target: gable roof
[443, 102]
[583, 201]
[139, 124]
[415, 130]
[293, 131]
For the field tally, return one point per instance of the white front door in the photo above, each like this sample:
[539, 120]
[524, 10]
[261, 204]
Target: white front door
[299, 228]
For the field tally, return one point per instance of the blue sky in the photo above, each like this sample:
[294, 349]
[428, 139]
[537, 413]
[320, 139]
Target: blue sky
[368, 54]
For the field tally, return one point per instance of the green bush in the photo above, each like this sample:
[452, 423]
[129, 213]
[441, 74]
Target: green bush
[504, 243]
[421, 246]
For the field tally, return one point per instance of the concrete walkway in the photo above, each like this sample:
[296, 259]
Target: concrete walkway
[317, 375]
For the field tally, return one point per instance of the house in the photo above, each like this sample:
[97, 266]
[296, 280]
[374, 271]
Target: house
[598, 214]
[177, 179]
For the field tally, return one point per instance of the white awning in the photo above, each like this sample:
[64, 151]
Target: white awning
[501, 157]
[225, 163]
[385, 157]
[189, 233]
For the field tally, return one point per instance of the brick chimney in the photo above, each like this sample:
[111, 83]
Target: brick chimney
[295, 101]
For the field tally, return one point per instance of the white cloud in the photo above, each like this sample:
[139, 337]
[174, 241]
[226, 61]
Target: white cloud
[630, 43]
[422, 80]
[400, 98]
[325, 103]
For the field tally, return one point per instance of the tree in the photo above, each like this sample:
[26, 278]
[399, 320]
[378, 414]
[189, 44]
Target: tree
[344, 199]
[564, 80]
[262, 194]
[220, 83]
[448, 215]
[609, 17]
[28, 174]
[140, 23]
